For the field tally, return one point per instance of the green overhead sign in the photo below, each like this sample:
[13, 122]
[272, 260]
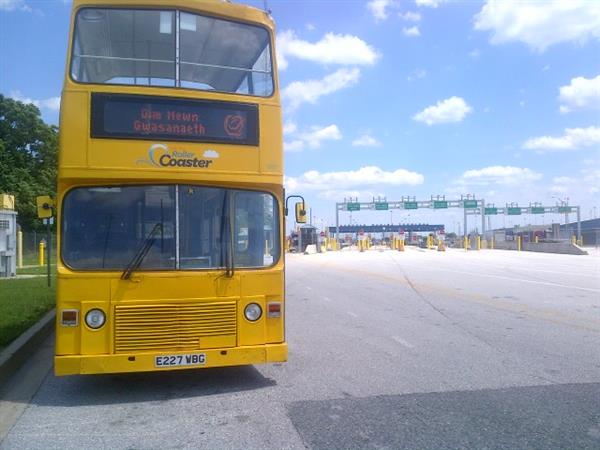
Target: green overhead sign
[411, 205]
[491, 211]
[352, 206]
[469, 204]
[440, 204]
[565, 209]
[537, 210]
[514, 211]
[381, 206]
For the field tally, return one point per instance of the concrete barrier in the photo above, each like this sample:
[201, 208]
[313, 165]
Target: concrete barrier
[565, 248]
[310, 249]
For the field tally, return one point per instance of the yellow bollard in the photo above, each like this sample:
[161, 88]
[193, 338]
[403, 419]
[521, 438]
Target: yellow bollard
[41, 253]
[492, 243]
[441, 247]
[20, 249]
[466, 243]
[401, 245]
[478, 242]
[518, 243]
[573, 240]
[580, 242]
[537, 239]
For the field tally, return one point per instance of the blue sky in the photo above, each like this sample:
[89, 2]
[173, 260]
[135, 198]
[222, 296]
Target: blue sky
[395, 98]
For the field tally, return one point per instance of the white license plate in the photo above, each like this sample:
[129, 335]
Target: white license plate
[191, 359]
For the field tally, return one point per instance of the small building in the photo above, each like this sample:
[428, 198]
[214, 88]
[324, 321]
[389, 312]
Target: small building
[305, 235]
[8, 236]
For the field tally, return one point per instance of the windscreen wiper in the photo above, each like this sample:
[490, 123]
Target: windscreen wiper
[138, 258]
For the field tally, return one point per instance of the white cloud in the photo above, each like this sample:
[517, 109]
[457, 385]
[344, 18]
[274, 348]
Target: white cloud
[379, 8]
[540, 24]
[317, 135]
[296, 145]
[573, 139]
[502, 175]
[453, 109]
[366, 140]
[51, 104]
[562, 185]
[14, 5]
[429, 3]
[411, 31]
[343, 49]
[591, 179]
[290, 127]
[310, 27]
[476, 53]
[582, 93]
[309, 91]
[416, 74]
[313, 138]
[314, 180]
[410, 16]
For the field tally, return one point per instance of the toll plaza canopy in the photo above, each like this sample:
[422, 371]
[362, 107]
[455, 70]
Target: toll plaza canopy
[381, 228]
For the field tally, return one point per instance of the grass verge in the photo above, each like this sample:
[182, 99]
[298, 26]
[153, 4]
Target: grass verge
[35, 270]
[22, 303]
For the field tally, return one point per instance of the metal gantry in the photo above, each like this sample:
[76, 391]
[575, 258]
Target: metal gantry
[470, 205]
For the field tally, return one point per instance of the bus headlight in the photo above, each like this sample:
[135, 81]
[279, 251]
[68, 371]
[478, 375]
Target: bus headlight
[253, 312]
[95, 318]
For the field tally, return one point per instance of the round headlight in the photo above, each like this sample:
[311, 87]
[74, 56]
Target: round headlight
[95, 318]
[253, 312]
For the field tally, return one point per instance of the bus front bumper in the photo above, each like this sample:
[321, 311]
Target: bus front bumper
[146, 362]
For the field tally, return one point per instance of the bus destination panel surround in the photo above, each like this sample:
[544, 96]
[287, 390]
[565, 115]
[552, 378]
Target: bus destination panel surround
[157, 118]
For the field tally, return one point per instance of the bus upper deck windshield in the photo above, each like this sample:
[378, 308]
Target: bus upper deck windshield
[171, 48]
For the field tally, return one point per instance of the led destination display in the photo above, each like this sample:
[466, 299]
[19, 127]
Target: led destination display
[142, 117]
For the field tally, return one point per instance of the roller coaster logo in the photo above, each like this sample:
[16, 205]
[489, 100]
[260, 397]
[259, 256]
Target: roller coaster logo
[159, 155]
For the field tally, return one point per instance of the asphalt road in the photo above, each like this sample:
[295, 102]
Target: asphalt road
[420, 349]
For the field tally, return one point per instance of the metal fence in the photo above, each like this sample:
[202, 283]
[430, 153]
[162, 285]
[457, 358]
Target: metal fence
[31, 245]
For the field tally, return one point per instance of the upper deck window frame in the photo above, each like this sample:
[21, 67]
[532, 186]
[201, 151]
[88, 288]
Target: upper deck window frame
[177, 63]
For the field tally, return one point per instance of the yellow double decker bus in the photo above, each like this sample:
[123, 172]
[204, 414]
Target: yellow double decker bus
[170, 189]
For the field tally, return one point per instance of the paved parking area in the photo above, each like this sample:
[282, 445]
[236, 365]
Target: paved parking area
[421, 349]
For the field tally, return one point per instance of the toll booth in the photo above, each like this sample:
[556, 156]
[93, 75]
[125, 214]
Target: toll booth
[8, 236]
[303, 236]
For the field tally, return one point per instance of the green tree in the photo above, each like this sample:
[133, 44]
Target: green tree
[28, 158]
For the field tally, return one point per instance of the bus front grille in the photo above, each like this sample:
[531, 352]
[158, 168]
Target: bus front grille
[187, 326]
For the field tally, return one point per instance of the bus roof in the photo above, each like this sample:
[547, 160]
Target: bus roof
[221, 8]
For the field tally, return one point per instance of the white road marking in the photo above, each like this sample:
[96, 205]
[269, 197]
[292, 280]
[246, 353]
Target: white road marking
[350, 313]
[401, 341]
[529, 269]
[500, 277]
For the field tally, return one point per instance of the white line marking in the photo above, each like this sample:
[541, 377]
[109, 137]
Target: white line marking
[528, 269]
[327, 299]
[543, 283]
[402, 342]
[350, 313]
